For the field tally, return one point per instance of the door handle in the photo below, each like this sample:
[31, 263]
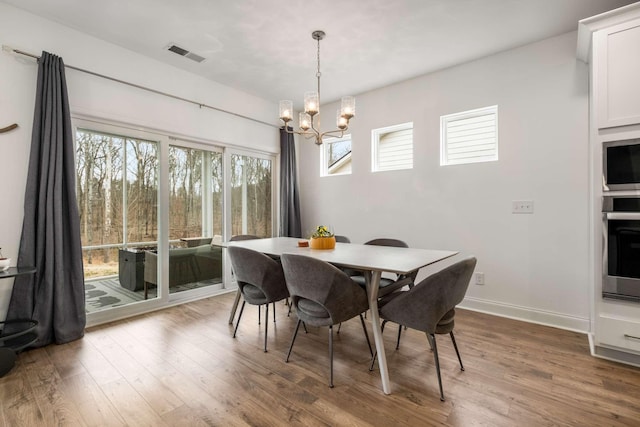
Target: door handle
[623, 215]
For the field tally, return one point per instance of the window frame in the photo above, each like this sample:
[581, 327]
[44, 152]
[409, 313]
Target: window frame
[469, 114]
[375, 143]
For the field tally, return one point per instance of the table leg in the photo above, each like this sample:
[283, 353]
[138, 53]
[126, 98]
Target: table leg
[234, 307]
[373, 283]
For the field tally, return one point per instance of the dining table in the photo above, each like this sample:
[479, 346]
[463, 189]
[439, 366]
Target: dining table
[370, 259]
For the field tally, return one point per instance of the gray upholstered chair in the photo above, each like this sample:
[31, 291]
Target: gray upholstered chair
[260, 279]
[388, 285]
[234, 307]
[342, 239]
[348, 271]
[430, 305]
[322, 296]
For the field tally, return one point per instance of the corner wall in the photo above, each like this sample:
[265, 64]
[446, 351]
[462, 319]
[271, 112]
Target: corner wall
[536, 266]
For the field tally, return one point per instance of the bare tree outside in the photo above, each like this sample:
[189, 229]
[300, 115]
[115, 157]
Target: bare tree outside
[250, 196]
[217, 186]
[186, 192]
[117, 190]
[103, 186]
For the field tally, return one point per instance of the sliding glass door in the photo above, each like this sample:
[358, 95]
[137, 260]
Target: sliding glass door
[117, 190]
[152, 208]
[195, 218]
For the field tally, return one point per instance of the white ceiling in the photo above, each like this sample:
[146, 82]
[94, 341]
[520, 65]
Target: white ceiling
[264, 47]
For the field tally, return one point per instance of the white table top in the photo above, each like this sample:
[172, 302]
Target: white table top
[359, 257]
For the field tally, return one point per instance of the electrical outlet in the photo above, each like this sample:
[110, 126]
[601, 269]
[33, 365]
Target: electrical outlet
[479, 278]
[522, 206]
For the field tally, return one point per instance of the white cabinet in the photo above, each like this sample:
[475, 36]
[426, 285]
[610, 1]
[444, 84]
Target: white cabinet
[610, 43]
[621, 333]
[616, 67]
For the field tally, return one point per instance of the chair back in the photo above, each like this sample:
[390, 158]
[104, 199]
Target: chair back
[258, 270]
[334, 295]
[387, 242]
[431, 300]
[342, 239]
[239, 237]
[402, 279]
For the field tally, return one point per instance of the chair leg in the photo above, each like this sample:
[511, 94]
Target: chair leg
[430, 345]
[432, 341]
[399, 334]
[239, 317]
[373, 359]
[274, 312]
[266, 324]
[234, 307]
[366, 334]
[453, 340]
[331, 356]
[304, 325]
[339, 326]
[293, 339]
[259, 311]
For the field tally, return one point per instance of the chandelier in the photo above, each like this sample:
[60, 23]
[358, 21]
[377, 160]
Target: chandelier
[309, 120]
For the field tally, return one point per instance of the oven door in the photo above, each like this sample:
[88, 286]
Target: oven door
[621, 256]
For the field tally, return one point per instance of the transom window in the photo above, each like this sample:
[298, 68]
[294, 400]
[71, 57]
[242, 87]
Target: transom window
[335, 157]
[469, 136]
[392, 147]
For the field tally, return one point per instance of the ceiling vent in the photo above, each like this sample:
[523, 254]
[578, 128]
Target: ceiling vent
[184, 52]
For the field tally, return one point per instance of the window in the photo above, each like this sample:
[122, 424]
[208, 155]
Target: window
[392, 147]
[117, 187]
[335, 156]
[251, 201]
[195, 193]
[469, 137]
[150, 205]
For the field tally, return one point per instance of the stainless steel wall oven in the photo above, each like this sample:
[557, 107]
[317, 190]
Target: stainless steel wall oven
[621, 254]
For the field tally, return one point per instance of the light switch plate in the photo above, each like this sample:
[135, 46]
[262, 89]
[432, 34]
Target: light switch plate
[522, 206]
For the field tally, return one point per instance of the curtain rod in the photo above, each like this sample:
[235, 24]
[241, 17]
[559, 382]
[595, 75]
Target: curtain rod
[113, 79]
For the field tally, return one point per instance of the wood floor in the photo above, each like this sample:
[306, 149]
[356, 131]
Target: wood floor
[181, 367]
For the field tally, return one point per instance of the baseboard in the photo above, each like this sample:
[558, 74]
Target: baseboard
[616, 355]
[527, 314]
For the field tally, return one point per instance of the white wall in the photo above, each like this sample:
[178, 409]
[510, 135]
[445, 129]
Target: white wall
[108, 100]
[535, 266]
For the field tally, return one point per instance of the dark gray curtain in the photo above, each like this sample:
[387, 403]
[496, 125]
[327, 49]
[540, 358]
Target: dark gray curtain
[289, 197]
[50, 241]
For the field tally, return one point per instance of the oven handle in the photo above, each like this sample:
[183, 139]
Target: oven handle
[622, 215]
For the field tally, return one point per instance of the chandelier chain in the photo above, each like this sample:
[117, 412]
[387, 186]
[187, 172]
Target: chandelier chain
[318, 57]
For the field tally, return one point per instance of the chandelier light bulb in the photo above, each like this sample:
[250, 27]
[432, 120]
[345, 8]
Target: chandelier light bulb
[348, 107]
[286, 111]
[304, 121]
[311, 103]
[341, 121]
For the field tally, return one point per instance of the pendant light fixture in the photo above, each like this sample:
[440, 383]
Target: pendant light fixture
[309, 120]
